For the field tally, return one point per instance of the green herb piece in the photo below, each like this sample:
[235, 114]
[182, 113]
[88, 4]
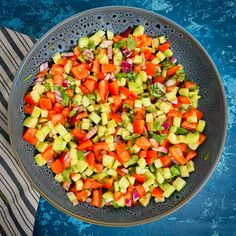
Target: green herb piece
[181, 131]
[66, 176]
[80, 155]
[91, 96]
[131, 43]
[27, 77]
[206, 156]
[157, 126]
[65, 98]
[47, 86]
[120, 44]
[155, 91]
[158, 137]
[72, 113]
[91, 45]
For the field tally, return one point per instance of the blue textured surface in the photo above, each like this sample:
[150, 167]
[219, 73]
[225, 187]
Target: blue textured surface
[213, 210]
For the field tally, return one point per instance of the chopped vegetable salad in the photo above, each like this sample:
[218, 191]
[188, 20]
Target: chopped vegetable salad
[115, 119]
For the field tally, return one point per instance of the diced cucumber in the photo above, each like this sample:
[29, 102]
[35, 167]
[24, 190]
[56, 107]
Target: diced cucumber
[138, 31]
[173, 129]
[135, 148]
[192, 119]
[172, 138]
[110, 35]
[144, 201]
[108, 160]
[36, 112]
[155, 43]
[112, 172]
[42, 133]
[58, 178]
[116, 164]
[108, 196]
[72, 145]
[94, 117]
[138, 59]
[192, 137]
[101, 130]
[156, 61]
[39, 160]
[68, 66]
[159, 200]
[174, 171]
[169, 191]
[140, 170]
[138, 103]
[123, 184]
[97, 37]
[134, 87]
[77, 99]
[73, 199]
[177, 121]
[85, 124]
[190, 166]
[116, 186]
[149, 117]
[41, 146]
[88, 172]
[201, 125]
[162, 39]
[121, 82]
[60, 129]
[79, 185]
[131, 179]
[168, 53]
[81, 165]
[109, 139]
[179, 183]
[184, 92]
[146, 101]
[30, 122]
[121, 202]
[184, 171]
[158, 163]
[59, 144]
[143, 76]
[166, 173]
[103, 59]
[56, 57]
[76, 177]
[67, 137]
[118, 58]
[160, 56]
[165, 107]
[142, 162]
[159, 177]
[193, 146]
[73, 156]
[44, 113]
[131, 161]
[83, 42]
[85, 101]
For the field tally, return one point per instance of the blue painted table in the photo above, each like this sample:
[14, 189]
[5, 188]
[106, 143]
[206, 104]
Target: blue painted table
[213, 23]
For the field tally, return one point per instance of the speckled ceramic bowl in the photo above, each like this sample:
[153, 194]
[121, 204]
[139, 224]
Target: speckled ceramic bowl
[199, 67]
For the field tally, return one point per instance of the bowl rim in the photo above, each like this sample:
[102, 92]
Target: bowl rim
[217, 158]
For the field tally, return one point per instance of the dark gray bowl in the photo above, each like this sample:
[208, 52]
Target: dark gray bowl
[199, 67]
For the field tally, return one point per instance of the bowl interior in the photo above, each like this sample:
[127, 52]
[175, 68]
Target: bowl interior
[198, 67]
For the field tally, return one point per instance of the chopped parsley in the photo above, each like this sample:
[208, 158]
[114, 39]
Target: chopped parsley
[27, 77]
[131, 43]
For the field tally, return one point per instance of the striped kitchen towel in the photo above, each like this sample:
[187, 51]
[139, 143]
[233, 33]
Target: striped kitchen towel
[18, 200]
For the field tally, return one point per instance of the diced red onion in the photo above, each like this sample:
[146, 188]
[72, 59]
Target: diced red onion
[65, 83]
[128, 202]
[112, 75]
[44, 66]
[153, 142]
[170, 82]
[149, 77]
[127, 52]
[75, 202]
[88, 55]
[106, 43]
[107, 204]
[108, 76]
[88, 200]
[175, 101]
[145, 131]
[125, 170]
[38, 80]
[117, 139]
[77, 108]
[161, 87]
[86, 153]
[135, 196]
[126, 66]
[109, 53]
[58, 96]
[91, 133]
[173, 59]
[166, 125]
[66, 186]
[173, 160]
[67, 54]
[129, 60]
[160, 149]
[158, 68]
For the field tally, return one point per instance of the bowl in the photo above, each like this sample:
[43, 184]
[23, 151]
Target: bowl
[198, 66]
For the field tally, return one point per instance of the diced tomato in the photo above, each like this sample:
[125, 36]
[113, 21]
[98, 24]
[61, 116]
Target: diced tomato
[98, 147]
[29, 99]
[140, 190]
[85, 145]
[117, 102]
[142, 153]
[97, 198]
[45, 103]
[48, 153]
[108, 183]
[151, 69]
[57, 69]
[90, 159]
[82, 115]
[202, 138]
[51, 96]
[157, 192]
[78, 133]
[28, 108]
[100, 75]
[41, 73]
[57, 167]
[143, 143]
[98, 167]
[173, 113]
[182, 146]
[58, 79]
[82, 195]
[58, 118]
[116, 117]
[147, 54]
[120, 172]
[107, 68]
[65, 160]
[117, 195]
[124, 156]
[190, 155]
[29, 136]
[159, 79]
[163, 47]
[151, 154]
[76, 51]
[70, 92]
[140, 178]
[138, 126]
[172, 70]
[137, 68]
[184, 100]
[190, 84]
[166, 161]
[90, 84]
[65, 112]
[113, 88]
[103, 90]
[176, 152]
[95, 66]
[189, 125]
[62, 61]
[80, 72]
[91, 184]
[58, 107]
[84, 89]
